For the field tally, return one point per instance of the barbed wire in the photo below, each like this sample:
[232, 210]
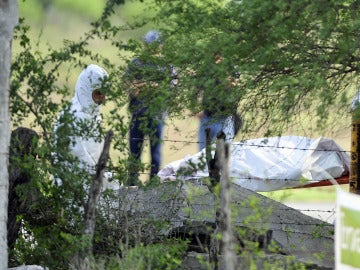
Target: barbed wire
[194, 204]
[241, 142]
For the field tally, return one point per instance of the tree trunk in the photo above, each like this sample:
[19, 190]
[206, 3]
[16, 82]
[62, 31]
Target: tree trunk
[84, 260]
[95, 190]
[8, 20]
[22, 145]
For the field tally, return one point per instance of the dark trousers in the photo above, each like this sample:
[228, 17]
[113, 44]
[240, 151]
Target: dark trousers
[140, 127]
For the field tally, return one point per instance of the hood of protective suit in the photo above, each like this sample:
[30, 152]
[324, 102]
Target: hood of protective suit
[90, 79]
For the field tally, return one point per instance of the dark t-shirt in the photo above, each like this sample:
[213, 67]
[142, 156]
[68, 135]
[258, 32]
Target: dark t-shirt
[217, 98]
[156, 79]
[213, 84]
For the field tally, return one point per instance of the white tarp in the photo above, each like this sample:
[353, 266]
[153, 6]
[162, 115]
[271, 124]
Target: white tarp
[267, 164]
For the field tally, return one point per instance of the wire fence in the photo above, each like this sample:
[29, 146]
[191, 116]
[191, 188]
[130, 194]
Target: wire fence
[325, 215]
[325, 211]
[200, 211]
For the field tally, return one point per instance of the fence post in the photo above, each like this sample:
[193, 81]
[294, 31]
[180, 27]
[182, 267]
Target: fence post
[354, 179]
[227, 236]
[219, 173]
[214, 175]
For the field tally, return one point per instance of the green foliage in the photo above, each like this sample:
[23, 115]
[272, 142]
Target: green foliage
[167, 255]
[291, 56]
[53, 225]
[52, 215]
[295, 58]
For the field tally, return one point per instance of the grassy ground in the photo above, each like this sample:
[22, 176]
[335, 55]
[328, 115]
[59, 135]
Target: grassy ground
[316, 194]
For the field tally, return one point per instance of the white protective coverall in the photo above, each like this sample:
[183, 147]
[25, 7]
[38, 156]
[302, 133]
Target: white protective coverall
[86, 148]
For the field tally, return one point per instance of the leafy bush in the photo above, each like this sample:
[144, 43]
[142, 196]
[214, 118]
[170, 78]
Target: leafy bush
[167, 255]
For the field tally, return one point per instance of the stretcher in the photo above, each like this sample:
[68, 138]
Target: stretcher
[343, 180]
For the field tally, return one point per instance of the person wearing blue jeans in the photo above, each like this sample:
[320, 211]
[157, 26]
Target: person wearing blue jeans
[142, 126]
[216, 125]
[147, 79]
[219, 106]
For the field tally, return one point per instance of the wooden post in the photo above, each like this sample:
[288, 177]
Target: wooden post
[354, 179]
[214, 175]
[227, 237]
[95, 190]
[219, 173]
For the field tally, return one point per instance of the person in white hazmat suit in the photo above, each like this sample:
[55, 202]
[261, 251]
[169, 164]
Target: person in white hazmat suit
[77, 129]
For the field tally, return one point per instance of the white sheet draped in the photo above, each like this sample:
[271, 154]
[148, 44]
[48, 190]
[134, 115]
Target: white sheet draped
[267, 164]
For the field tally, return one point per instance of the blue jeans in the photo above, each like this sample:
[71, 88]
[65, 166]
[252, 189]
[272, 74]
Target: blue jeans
[225, 124]
[140, 127]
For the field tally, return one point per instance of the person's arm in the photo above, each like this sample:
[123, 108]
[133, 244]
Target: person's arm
[137, 79]
[135, 87]
[200, 115]
[132, 78]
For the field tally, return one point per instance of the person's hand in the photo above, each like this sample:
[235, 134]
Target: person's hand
[200, 115]
[232, 82]
[136, 86]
